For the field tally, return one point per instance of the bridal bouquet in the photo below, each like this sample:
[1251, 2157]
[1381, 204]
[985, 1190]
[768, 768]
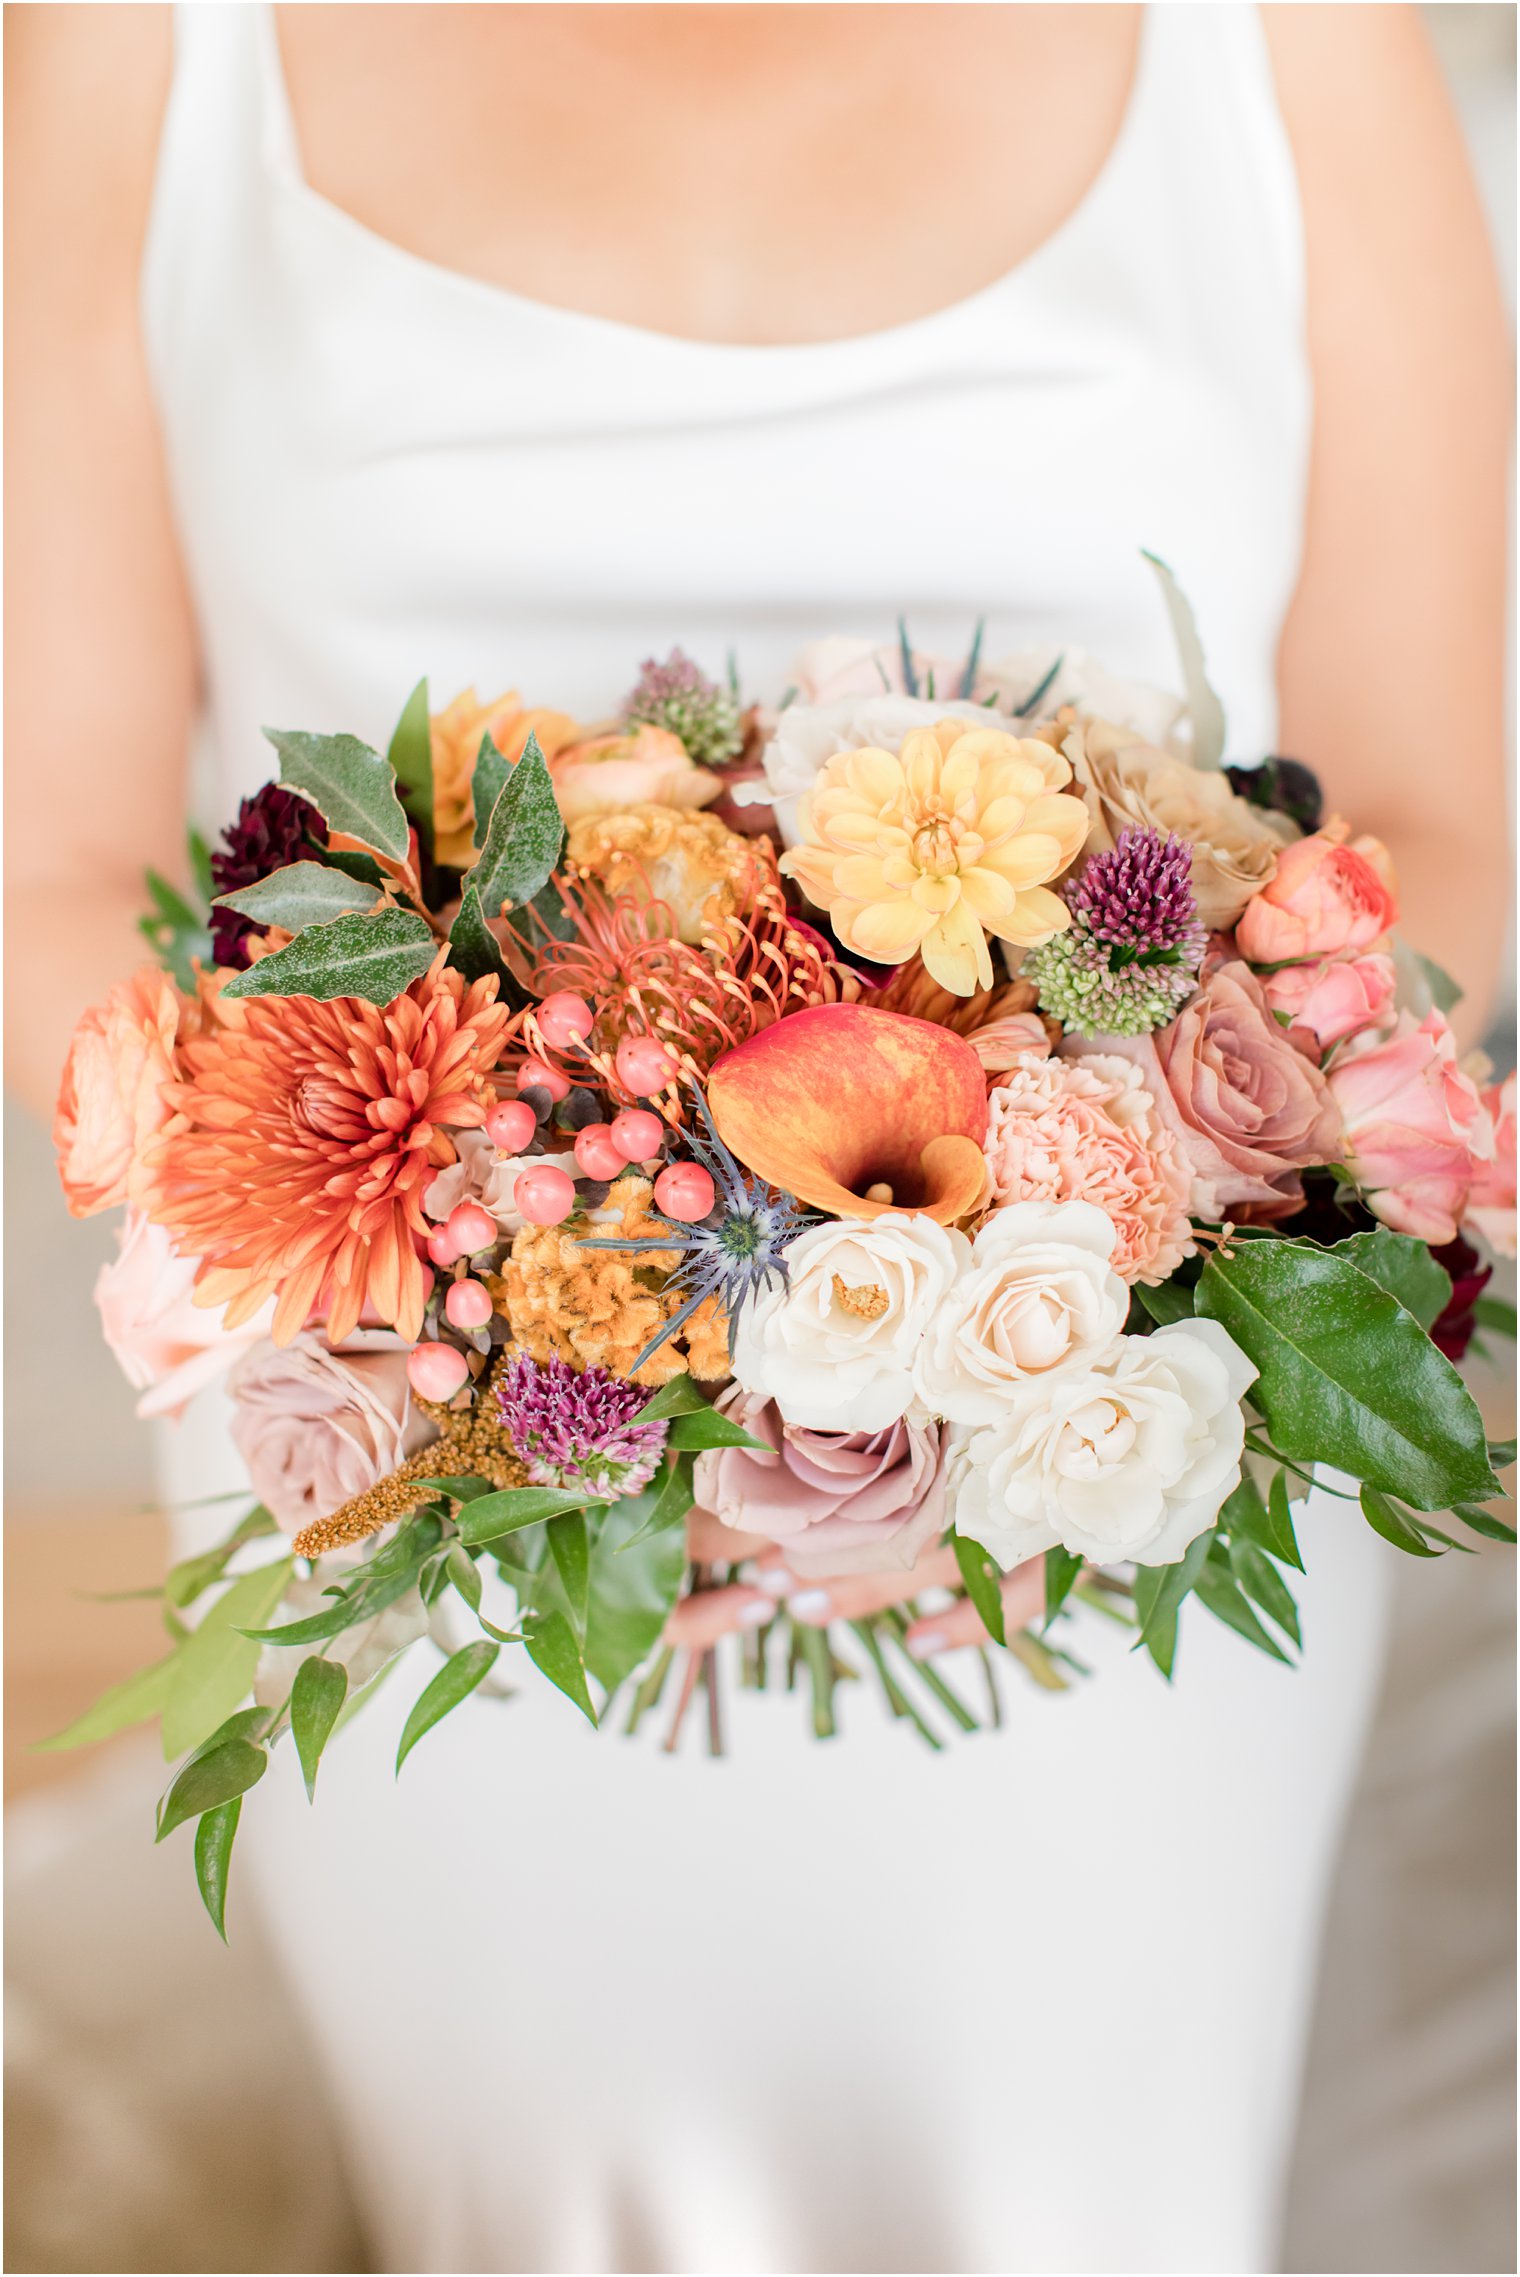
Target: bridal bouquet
[806, 1174]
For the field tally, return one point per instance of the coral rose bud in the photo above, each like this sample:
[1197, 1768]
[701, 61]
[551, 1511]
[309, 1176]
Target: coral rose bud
[565, 1019]
[596, 1153]
[684, 1191]
[644, 1065]
[436, 1371]
[637, 1134]
[467, 1304]
[470, 1228]
[512, 1126]
[537, 1075]
[544, 1195]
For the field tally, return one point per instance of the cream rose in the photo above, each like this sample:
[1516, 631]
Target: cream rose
[835, 1348]
[1123, 1461]
[1037, 1295]
[483, 1175]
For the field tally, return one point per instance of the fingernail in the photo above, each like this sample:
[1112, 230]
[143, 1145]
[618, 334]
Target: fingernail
[755, 1614]
[809, 1604]
[773, 1579]
[923, 1644]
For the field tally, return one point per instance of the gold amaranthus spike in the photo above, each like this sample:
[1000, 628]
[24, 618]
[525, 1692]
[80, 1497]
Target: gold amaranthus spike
[473, 1444]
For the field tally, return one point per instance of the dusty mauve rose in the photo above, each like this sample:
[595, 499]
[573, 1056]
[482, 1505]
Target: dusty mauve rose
[840, 1501]
[111, 1102]
[1491, 1198]
[1327, 899]
[1249, 1111]
[1327, 1002]
[1129, 783]
[168, 1347]
[1415, 1128]
[316, 1427]
[641, 766]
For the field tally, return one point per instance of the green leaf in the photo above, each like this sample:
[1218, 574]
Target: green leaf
[411, 762]
[513, 1508]
[1445, 993]
[455, 1681]
[373, 958]
[1495, 1313]
[672, 1500]
[200, 861]
[459, 1489]
[209, 1780]
[1386, 1519]
[351, 787]
[678, 1397]
[486, 786]
[523, 839]
[213, 1859]
[1402, 1266]
[1204, 708]
[316, 1702]
[1501, 1453]
[1061, 1570]
[302, 894]
[473, 946]
[1265, 1586]
[553, 1650]
[359, 1603]
[984, 1584]
[1173, 1300]
[1269, 1524]
[463, 1573]
[710, 1429]
[1218, 1591]
[571, 1552]
[634, 1583]
[132, 1701]
[184, 1582]
[1347, 1376]
[1483, 1522]
[177, 933]
[215, 1664]
[1159, 1592]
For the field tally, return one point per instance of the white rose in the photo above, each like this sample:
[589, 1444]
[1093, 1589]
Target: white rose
[482, 1175]
[1038, 1296]
[835, 1348]
[809, 734]
[1122, 1462]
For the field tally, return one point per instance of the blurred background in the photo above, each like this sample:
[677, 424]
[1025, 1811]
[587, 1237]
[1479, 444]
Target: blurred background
[160, 2101]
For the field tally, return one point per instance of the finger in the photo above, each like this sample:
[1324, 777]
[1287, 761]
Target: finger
[699, 1620]
[1023, 1595]
[854, 1595]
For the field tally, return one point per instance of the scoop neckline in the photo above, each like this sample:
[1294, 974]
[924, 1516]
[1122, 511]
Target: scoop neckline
[283, 159]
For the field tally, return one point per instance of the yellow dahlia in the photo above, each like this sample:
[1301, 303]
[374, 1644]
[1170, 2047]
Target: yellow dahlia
[303, 1138]
[456, 737]
[936, 846]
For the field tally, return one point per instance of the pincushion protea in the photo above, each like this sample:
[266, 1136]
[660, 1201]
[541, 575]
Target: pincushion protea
[303, 1140]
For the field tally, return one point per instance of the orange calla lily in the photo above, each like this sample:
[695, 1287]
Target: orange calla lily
[857, 1111]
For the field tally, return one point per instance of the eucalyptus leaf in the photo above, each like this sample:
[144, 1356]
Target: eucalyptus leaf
[984, 1585]
[1402, 1266]
[373, 957]
[523, 838]
[302, 894]
[1347, 1376]
[411, 762]
[1204, 708]
[351, 787]
[213, 1859]
[209, 1780]
[214, 1666]
[316, 1702]
[455, 1681]
[133, 1701]
[553, 1650]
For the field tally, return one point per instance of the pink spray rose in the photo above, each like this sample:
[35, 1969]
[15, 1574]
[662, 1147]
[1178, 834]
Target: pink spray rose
[839, 1501]
[1327, 898]
[1329, 1001]
[1413, 1121]
[168, 1346]
[316, 1427]
[1491, 1198]
[1248, 1111]
[111, 1103]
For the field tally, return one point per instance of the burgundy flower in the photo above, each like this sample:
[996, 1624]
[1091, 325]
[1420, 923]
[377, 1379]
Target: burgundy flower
[273, 828]
[1452, 1333]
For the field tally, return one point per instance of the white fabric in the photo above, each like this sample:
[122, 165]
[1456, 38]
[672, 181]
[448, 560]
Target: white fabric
[1037, 2004]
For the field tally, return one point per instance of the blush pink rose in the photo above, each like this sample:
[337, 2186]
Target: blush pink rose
[1491, 1197]
[169, 1348]
[316, 1427]
[1248, 1111]
[641, 766]
[1413, 1126]
[1328, 1002]
[1325, 899]
[839, 1501]
[111, 1101]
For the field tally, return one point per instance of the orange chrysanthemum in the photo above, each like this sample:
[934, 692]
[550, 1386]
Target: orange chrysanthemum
[303, 1138]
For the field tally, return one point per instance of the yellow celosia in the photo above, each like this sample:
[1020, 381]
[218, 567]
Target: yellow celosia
[936, 846]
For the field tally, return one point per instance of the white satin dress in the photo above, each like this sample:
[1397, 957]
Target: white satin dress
[1037, 2004]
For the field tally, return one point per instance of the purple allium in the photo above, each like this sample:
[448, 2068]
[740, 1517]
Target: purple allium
[579, 1431]
[678, 696]
[1140, 896]
[273, 828]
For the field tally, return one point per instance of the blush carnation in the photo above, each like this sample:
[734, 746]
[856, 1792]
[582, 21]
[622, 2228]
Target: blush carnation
[1090, 1131]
